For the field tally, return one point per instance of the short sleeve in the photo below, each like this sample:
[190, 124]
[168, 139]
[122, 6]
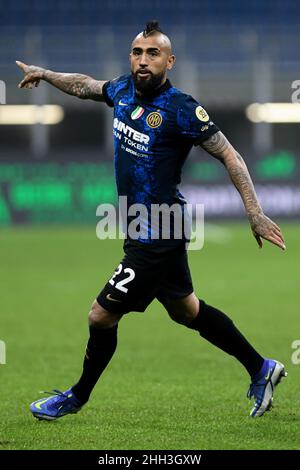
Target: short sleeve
[111, 89]
[194, 122]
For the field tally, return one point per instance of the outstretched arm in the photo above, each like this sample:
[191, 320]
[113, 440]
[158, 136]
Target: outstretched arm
[262, 227]
[82, 86]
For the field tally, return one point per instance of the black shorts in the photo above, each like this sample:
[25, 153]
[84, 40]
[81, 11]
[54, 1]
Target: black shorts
[145, 274]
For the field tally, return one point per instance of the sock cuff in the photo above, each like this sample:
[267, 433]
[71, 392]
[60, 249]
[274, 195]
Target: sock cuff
[196, 323]
[261, 372]
[102, 333]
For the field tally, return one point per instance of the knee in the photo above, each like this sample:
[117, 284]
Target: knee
[183, 311]
[101, 318]
[183, 317]
[95, 313]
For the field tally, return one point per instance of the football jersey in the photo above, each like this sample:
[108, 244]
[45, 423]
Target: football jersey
[152, 138]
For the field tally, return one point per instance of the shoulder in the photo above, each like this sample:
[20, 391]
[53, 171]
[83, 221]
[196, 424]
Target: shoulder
[121, 81]
[190, 108]
[193, 120]
[187, 102]
[180, 96]
[112, 87]
[184, 103]
[118, 83]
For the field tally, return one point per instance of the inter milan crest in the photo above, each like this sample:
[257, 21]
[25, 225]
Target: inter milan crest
[154, 119]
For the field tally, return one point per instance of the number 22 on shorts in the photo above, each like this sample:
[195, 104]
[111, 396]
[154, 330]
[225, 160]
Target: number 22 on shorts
[120, 284]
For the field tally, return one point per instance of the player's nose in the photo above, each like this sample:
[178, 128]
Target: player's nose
[143, 60]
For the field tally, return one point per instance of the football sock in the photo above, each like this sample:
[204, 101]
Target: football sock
[218, 329]
[101, 346]
[262, 372]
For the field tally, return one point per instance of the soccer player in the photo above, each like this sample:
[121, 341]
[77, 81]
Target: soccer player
[155, 126]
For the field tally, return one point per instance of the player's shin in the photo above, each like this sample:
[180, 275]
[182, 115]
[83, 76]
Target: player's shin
[218, 329]
[100, 349]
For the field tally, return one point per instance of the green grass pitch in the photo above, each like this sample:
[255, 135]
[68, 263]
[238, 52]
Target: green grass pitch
[166, 388]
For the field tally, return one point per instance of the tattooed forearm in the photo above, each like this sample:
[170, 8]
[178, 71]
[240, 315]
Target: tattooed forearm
[72, 83]
[262, 227]
[216, 145]
[75, 84]
[242, 180]
[219, 147]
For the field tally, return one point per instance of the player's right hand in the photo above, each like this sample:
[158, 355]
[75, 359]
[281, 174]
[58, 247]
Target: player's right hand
[32, 77]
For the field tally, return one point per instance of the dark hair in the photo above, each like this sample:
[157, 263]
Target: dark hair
[151, 28]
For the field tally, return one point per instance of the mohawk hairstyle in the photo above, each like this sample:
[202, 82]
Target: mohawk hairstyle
[151, 28]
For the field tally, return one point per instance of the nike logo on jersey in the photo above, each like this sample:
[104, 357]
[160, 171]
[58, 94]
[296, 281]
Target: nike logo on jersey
[111, 298]
[122, 104]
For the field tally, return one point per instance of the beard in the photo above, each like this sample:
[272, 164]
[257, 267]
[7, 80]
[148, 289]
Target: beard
[148, 85]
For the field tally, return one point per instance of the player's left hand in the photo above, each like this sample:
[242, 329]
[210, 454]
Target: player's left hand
[263, 227]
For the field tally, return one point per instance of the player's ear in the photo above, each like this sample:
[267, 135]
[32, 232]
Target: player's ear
[171, 61]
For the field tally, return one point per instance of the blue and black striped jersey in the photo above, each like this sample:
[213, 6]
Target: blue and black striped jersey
[152, 139]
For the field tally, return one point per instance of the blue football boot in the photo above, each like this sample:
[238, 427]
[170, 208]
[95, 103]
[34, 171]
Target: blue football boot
[262, 390]
[57, 405]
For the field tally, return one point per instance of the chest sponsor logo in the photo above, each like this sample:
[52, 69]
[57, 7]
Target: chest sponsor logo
[201, 114]
[120, 128]
[137, 113]
[154, 119]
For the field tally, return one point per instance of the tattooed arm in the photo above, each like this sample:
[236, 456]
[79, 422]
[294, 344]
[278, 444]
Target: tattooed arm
[262, 227]
[72, 83]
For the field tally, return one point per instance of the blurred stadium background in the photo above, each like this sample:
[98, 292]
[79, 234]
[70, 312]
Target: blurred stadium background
[168, 390]
[229, 55]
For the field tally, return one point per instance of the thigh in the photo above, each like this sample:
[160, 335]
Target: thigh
[134, 283]
[177, 281]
